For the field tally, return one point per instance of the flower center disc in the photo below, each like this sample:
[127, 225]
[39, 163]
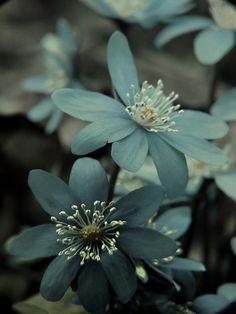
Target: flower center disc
[90, 233]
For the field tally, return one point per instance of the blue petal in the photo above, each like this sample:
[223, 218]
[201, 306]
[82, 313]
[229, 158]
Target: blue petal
[89, 181]
[65, 33]
[88, 106]
[227, 183]
[180, 26]
[171, 165]
[175, 220]
[58, 277]
[92, 296]
[212, 44]
[130, 152]
[101, 7]
[99, 133]
[228, 290]
[145, 243]
[225, 107]
[201, 124]
[54, 121]
[196, 148]
[137, 207]
[184, 264]
[51, 192]
[121, 275]
[36, 242]
[210, 304]
[37, 83]
[41, 110]
[121, 65]
[233, 245]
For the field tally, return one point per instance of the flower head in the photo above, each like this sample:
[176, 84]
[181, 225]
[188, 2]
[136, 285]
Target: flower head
[145, 12]
[92, 240]
[151, 109]
[216, 37]
[144, 121]
[59, 52]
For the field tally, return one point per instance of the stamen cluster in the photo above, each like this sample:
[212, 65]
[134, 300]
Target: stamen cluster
[88, 232]
[151, 109]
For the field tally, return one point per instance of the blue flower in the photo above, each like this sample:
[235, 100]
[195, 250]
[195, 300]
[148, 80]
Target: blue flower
[145, 12]
[60, 53]
[93, 241]
[147, 121]
[217, 37]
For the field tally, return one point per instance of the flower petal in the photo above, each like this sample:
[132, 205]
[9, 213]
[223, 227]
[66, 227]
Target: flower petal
[137, 207]
[97, 134]
[121, 65]
[183, 264]
[145, 243]
[227, 183]
[175, 220]
[89, 181]
[88, 106]
[196, 148]
[169, 161]
[36, 242]
[180, 26]
[225, 107]
[92, 297]
[130, 152]
[58, 277]
[201, 124]
[51, 192]
[212, 44]
[121, 275]
[37, 83]
[40, 111]
[54, 121]
[210, 304]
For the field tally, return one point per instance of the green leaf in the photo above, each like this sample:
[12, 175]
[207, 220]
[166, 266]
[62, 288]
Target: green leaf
[37, 305]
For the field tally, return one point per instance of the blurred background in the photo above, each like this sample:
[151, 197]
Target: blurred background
[25, 146]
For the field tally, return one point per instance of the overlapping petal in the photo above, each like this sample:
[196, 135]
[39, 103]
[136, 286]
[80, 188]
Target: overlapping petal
[41, 111]
[89, 181]
[58, 277]
[99, 133]
[197, 148]
[201, 124]
[227, 183]
[121, 65]
[130, 152]
[212, 44]
[93, 287]
[121, 275]
[137, 207]
[52, 193]
[145, 243]
[171, 165]
[225, 107]
[88, 106]
[35, 242]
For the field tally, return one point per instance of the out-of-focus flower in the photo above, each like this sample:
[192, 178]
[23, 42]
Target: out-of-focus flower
[93, 241]
[217, 37]
[60, 57]
[144, 121]
[145, 12]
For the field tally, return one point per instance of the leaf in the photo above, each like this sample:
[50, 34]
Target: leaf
[37, 305]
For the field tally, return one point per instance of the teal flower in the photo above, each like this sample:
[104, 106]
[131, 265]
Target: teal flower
[93, 241]
[60, 54]
[145, 12]
[144, 121]
[217, 36]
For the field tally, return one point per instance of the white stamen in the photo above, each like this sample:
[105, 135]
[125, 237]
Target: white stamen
[88, 232]
[151, 109]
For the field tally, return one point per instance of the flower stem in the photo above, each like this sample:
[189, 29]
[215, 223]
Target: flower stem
[113, 179]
